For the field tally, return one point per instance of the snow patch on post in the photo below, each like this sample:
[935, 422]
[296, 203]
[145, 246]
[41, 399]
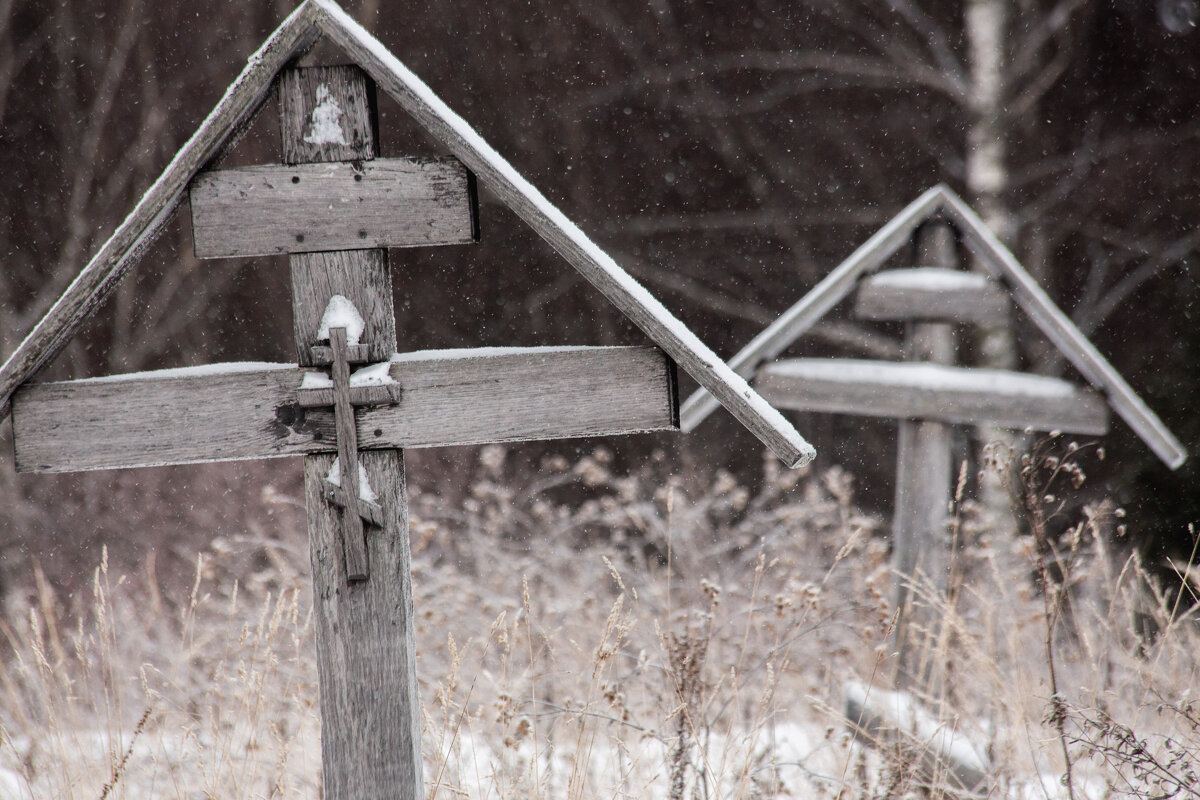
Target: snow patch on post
[325, 126]
[372, 375]
[341, 313]
[365, 492]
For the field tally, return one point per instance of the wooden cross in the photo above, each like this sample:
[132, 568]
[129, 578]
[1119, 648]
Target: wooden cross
[928, 394]
[333, 194]
[349, 491]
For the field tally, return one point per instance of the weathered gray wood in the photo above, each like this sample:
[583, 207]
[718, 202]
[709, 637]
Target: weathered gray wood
[366, 667]
[1059, 329]
[932, 392]
[305, 208]
[552, 225]
[924, 472]
[347, 446]
[370, 721]
[447, 398]
[370, 511]
[322, 355]
[363, 278]
[931, 293]
[119, 253]
[340, 123]
[792, 324]
[389, 394]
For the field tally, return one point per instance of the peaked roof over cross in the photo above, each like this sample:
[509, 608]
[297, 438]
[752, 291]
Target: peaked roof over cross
[235, 111]
[941, 202]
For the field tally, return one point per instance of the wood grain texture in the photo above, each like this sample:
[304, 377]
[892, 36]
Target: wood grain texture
[366, 668]
[347, 447]
[792, 324]
[958, 395]
[362, 277]
[1059, 329]
[366, 657]
[920, 545]
[547, 221]
[119, 253]
[151, 421]
[505, 396]
[369, 511]
[359, 396]
[416, 202]
[878, 298]
[336, 99]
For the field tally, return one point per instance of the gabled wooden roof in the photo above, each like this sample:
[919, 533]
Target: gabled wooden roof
[941, 202]
[316, 18]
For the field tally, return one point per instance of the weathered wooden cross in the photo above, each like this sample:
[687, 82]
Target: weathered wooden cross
[928, 393]
[351, 403]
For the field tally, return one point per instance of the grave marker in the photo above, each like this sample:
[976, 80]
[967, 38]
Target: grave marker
[928, 393]
[349, 403]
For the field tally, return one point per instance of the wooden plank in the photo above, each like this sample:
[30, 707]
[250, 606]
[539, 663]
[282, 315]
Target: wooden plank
[920, 547]
[119, 253]
[263, 210]
[1059, 329]
[959, 395]
[924, 473]
[931, 293]
[370, 722]
[360, 276]
[388, 394]
[448, 398]
[792, 324]
[340, 123]
[169, 417]
[366, 651]
[552, 225]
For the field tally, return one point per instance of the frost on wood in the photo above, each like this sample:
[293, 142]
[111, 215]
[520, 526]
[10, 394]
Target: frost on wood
[482, 352]
[930, 279]
[341, 313]
[926, 377]
[365, 492]
[325, 126]
[199, 371]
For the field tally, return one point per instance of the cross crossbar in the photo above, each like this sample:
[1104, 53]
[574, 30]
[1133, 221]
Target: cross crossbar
[349, 492]
[244, 411]
[908, 390]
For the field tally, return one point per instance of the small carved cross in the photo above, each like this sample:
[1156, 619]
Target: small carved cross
[348, 490]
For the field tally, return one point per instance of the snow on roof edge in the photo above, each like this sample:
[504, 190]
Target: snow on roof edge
[598, 267]
[798, 318]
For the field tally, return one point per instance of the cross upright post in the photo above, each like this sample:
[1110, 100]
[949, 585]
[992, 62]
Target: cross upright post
[923, 477]
[362, 590]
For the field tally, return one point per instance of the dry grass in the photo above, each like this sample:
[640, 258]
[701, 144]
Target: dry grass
[652, 640]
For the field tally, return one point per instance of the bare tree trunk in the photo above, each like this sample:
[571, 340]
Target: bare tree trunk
[987, 28]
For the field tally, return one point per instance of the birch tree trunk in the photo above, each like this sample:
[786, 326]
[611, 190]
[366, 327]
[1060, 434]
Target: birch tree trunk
[986, 23]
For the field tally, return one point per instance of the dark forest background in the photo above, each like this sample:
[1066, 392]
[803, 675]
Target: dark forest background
[726, 154]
